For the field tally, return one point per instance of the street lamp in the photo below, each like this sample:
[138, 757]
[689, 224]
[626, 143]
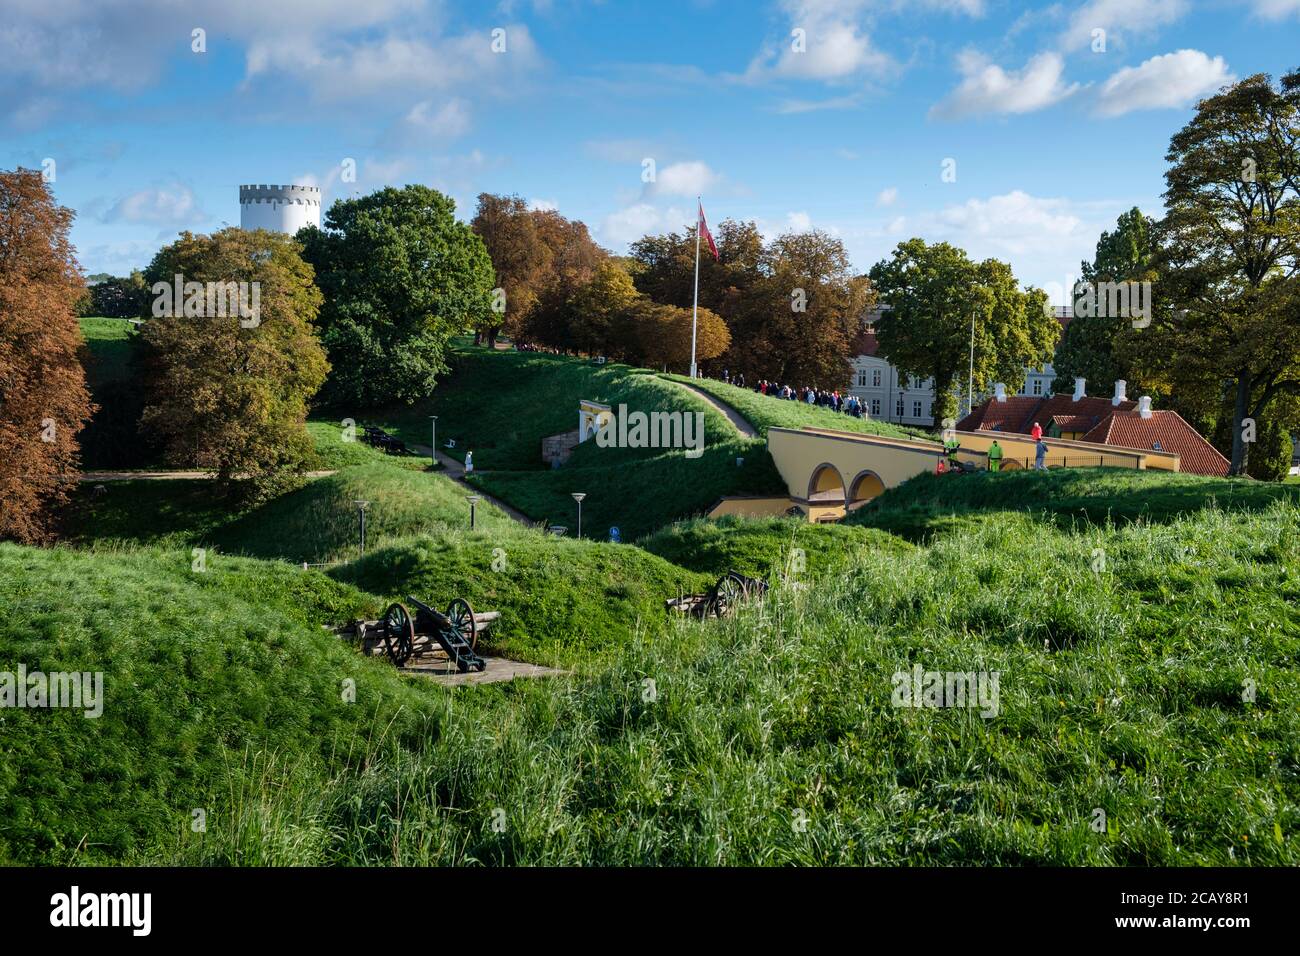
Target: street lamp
[472, 499]
[433, 437]
[361, 516]
[578, 496]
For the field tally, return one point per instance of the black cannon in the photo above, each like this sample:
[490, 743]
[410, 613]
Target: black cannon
[721, 600]
[456, 632]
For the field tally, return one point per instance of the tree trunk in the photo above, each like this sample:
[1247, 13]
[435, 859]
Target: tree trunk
[1240, 449]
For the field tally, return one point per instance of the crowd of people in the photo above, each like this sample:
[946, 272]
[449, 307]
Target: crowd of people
[836, 402]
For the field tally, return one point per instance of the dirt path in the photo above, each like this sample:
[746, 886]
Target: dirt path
[455, 470]
[733, 416]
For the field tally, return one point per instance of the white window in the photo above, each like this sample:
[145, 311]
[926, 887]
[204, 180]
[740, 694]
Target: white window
[916, 409]
[862, 378]
[899, 408]
[875, 407]
[1038, 386]
[875, 377]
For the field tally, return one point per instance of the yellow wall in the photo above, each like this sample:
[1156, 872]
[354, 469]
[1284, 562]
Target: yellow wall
[1062, 452]
[751, 507]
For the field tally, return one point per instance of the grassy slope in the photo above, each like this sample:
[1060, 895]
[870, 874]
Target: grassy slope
[764, 412]
[768, 547]
[198, 669]
[929, 503]
[1120, 689]
[109, 344]
[501, 405]
[561, 600]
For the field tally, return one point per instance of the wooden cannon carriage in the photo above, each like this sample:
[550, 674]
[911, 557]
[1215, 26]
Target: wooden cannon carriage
[428, 634]
[732, 590]
[376, 437]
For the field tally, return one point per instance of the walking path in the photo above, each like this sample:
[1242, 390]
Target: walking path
[733, 416]
[455, 470]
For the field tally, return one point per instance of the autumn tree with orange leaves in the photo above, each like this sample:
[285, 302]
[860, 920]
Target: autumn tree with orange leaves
[43, 397]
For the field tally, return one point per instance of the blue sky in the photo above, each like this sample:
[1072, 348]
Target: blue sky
[844, 125]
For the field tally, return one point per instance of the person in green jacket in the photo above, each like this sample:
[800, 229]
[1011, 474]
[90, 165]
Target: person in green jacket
[950, 446]
[995, 456]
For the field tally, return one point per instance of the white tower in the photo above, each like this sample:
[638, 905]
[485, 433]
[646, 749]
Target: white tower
[279, 208]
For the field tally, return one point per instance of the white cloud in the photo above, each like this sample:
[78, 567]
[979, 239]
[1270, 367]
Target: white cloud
[440, 121]
[683, 179]
[543, 205]
[1119, 18]
[170, 205]
[1277, 9]
[987, 88]
[812, 106]
[824, 42]
[1162, 82]
[798, 222]
[887, 197]
[630, 224]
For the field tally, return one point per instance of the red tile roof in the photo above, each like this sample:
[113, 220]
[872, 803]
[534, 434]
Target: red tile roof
[1086, 412]
[995, 416]
[1170, 430]
[1104, 424]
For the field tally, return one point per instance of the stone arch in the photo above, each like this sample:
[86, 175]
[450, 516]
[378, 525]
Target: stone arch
[865, 486]
[826, 484]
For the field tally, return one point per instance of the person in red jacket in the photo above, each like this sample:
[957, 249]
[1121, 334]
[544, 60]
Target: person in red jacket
[1036, 432]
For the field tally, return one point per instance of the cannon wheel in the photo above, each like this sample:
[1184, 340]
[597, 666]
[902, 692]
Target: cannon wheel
[399, 633]
[728, 593]
[461, 616]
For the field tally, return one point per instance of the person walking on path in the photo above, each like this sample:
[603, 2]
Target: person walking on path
[1036, 432]
[1040, 455]
[469, 462]
[995, 456]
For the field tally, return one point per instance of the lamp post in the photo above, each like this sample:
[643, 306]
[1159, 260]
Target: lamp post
[473, 500]
[578, 496]
[361, 517]
[433, 437]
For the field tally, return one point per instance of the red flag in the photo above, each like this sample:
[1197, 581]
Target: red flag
[706, 235]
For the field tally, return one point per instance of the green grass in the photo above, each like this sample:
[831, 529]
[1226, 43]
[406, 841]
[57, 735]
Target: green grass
[769, 547]
[198, 669]
[764, 412]
[927, 504]
[339, 447]
[319, 522]
[501, 405]
[1120, 689]
[109, 343]
[562, 601]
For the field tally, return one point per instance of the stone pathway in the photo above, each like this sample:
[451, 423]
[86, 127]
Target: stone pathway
[733, 416]
[455, 470]
[498, 670]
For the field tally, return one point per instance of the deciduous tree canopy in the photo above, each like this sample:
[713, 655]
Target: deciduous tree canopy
[400, 275]
[224, 393]
[43, 397]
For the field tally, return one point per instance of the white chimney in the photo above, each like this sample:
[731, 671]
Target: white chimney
[1078, 388]
[999, 392]
[1121, 389]
[1144, 406]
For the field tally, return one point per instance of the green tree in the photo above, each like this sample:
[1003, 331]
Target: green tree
[229, 392]
[1270, 458]
[1091, 346]
[1228, 313]
[933, 292]
[400, 276]
[596, 307]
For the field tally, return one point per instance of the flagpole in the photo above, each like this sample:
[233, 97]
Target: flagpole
[695, 306]
[970, 380]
